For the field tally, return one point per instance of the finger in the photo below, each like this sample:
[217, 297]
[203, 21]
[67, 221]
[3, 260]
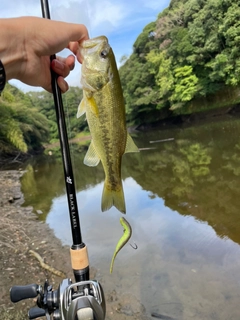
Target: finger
[75, 48]
[55, 41]
[63, 85]
[73, 33]
[69, 61]
[63, 66]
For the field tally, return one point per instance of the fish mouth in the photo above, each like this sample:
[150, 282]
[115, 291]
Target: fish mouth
[91, 44]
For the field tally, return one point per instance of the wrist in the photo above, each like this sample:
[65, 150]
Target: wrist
[11, 47]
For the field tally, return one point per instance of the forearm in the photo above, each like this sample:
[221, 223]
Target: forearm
[12, 50]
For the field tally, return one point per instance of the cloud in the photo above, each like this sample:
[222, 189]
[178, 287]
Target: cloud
[121, 21]
[71, 11]
[107, 15]
[17, 8]
[98, 16]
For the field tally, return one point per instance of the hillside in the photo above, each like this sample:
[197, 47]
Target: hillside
[183, 61]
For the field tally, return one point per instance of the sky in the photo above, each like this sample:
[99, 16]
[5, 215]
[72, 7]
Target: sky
[121, 21]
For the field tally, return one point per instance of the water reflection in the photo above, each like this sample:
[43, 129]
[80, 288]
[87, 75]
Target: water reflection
[183, 205]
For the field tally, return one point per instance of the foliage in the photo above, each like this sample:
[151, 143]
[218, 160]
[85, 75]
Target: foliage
[44, 102]
[185, 84]
[22, 126]
[29, 120]
[190, 51]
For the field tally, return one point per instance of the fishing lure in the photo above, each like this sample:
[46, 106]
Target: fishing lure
[127, 232]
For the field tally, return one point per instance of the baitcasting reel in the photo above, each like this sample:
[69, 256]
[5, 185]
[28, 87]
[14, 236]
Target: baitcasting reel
[71, 301]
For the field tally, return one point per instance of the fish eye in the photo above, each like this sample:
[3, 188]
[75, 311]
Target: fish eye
[103, 54]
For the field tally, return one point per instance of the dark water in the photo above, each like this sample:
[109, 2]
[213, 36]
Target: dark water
[183, 202]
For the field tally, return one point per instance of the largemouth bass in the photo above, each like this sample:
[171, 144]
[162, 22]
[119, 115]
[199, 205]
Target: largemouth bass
[103, 103]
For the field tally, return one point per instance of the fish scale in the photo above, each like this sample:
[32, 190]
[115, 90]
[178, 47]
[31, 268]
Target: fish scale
[103, 104]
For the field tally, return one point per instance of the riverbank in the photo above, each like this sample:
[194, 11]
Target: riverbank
[20, 232]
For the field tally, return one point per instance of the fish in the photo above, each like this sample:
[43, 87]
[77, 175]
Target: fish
[103, 104]
[127, 233]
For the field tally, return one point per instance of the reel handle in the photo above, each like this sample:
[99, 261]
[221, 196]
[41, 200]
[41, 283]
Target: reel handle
[35, 313]
[18, 293]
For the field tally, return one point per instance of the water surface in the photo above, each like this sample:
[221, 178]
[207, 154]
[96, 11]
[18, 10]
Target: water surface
[183, 202]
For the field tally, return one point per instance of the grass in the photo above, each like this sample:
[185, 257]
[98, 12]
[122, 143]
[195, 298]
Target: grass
[13, 315]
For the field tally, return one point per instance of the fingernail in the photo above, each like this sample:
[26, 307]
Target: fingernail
[66, 87]
[72, 66]
[59, 65]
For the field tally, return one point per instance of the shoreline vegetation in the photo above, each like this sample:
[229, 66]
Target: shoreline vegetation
[13, 157]
[183, 65]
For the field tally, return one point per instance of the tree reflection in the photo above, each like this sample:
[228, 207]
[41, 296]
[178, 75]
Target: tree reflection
[197, 174]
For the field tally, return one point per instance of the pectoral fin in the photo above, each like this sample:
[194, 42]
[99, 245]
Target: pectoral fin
[91, 158]
[130, 145]
[87, 101]
[92, 104]
[81, 108]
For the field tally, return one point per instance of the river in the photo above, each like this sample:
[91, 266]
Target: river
[182, 193]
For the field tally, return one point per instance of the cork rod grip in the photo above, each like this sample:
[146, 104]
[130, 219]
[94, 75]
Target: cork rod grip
[79, 258]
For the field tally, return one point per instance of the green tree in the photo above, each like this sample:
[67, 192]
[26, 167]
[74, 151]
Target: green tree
[185, 84]
[161, 68]
[191, 51]
[22, 127]
[44, 103]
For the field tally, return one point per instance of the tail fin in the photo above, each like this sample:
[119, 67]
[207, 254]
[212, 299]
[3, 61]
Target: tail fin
[113, 198]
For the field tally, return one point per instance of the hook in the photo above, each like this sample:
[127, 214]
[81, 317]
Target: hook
[134, 247]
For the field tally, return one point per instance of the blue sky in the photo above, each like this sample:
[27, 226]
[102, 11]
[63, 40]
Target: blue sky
[120, 20]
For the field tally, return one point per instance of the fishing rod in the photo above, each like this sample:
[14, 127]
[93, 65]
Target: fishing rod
[84, 299]
[78, 251]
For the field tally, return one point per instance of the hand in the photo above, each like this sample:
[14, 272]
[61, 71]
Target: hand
[26, 44]
[63, 66]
